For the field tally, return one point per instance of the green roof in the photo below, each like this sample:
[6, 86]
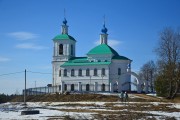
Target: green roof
[82, 61]
[102, 49]
[118, 57]
[64, 37]
[105, 49]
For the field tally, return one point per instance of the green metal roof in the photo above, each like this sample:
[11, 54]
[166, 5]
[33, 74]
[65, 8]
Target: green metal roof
[118, 57]
[102, 49]
[64, 37]
[82, 61]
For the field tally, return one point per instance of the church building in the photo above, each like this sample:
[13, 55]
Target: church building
[101, 70]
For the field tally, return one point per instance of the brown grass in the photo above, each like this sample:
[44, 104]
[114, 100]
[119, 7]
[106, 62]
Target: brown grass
[83, 97]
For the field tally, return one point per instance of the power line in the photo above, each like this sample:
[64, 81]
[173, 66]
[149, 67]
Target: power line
[38, 72]
[11, 73]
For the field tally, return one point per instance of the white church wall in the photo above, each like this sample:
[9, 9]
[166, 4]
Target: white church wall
[56, 68]
[123, 77]
[84, 77]
[87, 79]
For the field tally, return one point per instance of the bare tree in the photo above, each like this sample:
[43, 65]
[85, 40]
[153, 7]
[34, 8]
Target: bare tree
[148, 72]
[168, 52]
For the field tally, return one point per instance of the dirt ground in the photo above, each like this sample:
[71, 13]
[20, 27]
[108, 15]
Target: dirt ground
[139, 106]
[66, 98]
[90, 97]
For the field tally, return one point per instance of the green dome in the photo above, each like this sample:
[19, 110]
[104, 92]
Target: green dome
[64, 37]
[105, 49]
[102, 49]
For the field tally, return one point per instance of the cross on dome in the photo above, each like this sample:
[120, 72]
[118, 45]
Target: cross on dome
[104, 29]
[64, 21]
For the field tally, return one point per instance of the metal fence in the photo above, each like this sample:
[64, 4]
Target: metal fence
[42, 90]
[57, 89]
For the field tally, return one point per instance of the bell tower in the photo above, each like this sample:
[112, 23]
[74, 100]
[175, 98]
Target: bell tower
[63, 50]
[64, 45]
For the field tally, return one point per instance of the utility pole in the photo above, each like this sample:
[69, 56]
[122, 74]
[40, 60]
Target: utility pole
[25, 89]
[26, 111]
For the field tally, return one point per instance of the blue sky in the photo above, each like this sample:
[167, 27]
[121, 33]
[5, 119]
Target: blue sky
[28, 26]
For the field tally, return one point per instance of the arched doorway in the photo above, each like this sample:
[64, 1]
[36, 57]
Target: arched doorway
[103, 87]
[138, 81]
[115, 87]
[72, 87]
[87, 87]
[65, 87]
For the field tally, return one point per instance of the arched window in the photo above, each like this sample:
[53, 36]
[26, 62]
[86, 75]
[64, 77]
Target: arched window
[59, 87]
[103, 87]
[72, 50]
[72, 72]
[72, 87]
[65, 72]
[95, 72]
[59, 73]
[65, 87]
[80, 72]
[61, 49]
[115, 87]
[119, 71]
[87, 87]
[103, 72]
[87, 72]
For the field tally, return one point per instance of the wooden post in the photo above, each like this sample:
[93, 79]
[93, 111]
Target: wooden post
[25, 89]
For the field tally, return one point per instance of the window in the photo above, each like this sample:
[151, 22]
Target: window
[95, 72]
[65, 72]
[61, 49]
[59, 87]
[87, 72]
[59, 73]
[119, 71]
[80, 72]
[103, 71]
[72, 72]
[87, 87]
[103, 87]
[65, 87]
[72, 87]
[71, 49]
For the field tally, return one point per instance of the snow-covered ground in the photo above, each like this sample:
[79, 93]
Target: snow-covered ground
[80, 110]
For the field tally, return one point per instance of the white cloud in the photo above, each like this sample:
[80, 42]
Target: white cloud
[23, 35]
[30, 46]
[112, 43]
[4, 59]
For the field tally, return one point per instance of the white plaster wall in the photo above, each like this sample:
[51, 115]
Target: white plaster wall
[56, 68]
[120, 79]
[86, 79]
[58, 60]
